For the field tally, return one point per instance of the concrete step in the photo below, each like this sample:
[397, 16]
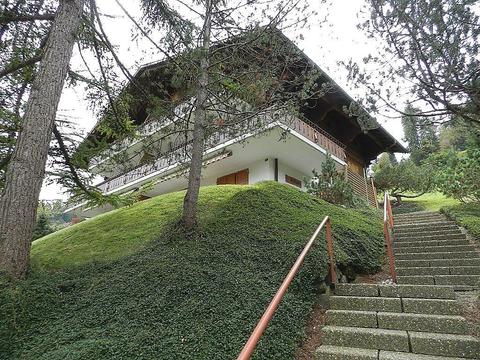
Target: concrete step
[470, 280]
[435, 242]
[432, 249]
[391, 355]
[416, 279]
[384, 304]
[365, 319]
[370, 290]
[437, 255]
[365, 303]
[411, 228]
[422, 223]
[423, 220]
[429, 236]
[463, 346]
[452, 280]
[430, 306]
[425, 231]
[395, 291]
[447, 324]
[419, 213]
[329, 352]
[457, 270]
[366, 338]
[417, 271]
[417, 291]
[442, 262]
[415, 216]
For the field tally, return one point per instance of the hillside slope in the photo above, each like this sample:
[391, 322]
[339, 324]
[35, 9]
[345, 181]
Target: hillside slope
[126, 285]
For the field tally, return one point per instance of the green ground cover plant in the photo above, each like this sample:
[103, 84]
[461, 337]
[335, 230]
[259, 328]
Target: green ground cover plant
[466, 215]
[127, 285]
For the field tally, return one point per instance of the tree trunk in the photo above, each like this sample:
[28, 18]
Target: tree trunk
[26, 170]
[198, 143]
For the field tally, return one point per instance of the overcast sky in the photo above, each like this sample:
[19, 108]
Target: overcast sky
[339, 40]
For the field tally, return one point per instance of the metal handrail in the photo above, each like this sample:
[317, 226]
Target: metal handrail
[388, 232]
[272, 307]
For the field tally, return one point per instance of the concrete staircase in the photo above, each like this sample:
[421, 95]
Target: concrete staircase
[404, 322]
[418, 319]
[430, 250]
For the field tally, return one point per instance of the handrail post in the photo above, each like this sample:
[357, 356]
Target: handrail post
[390, 213]
[332, 274]
[391, 257]
[374, 189]
[387, 227]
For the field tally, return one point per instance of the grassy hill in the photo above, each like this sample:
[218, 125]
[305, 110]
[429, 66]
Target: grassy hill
[127, 285]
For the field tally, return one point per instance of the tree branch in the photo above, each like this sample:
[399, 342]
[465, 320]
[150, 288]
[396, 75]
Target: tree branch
[14, 68]
[8, 18]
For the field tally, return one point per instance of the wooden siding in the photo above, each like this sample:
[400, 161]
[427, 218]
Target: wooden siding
[361, 186]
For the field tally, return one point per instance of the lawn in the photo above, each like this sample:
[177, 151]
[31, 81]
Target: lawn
[427, 202]
[130, 285]
[432, 201]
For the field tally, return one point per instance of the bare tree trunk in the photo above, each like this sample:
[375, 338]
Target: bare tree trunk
[26, 170]
[198, 143]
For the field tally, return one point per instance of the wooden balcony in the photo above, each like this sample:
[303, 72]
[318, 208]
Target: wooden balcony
[319, 137]
[179, 153]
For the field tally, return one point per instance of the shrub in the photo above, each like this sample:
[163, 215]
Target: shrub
[458, 174]
[330, 185]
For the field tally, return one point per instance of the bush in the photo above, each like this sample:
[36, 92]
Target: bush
[330, 185]
[458, 174]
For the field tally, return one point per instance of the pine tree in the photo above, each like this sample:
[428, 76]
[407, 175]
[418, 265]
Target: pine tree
[26, 168]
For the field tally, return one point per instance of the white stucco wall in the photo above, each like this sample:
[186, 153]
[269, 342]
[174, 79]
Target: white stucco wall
[284, 169]
[259, 170]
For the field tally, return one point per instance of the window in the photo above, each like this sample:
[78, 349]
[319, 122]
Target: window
[293, 181]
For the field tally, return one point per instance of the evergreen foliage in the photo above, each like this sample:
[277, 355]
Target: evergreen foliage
[458, 174]
[42, 227]
[420, 134]
[404, 179]
[330, 185]
[429, 52]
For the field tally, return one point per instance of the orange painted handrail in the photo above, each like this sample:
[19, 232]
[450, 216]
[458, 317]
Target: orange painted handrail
[272, 307]
[388, 232]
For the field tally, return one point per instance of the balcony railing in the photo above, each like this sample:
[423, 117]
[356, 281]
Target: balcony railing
[179, 153]
[318, 136]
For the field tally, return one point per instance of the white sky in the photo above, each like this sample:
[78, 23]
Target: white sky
[340, 40]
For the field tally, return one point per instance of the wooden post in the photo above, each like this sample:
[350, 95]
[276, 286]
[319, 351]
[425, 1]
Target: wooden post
[374, 192]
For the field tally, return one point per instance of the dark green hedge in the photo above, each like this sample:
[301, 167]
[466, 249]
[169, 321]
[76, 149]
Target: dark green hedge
[196, 298]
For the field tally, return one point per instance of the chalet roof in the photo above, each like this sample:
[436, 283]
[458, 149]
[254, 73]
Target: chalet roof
[370, 142]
